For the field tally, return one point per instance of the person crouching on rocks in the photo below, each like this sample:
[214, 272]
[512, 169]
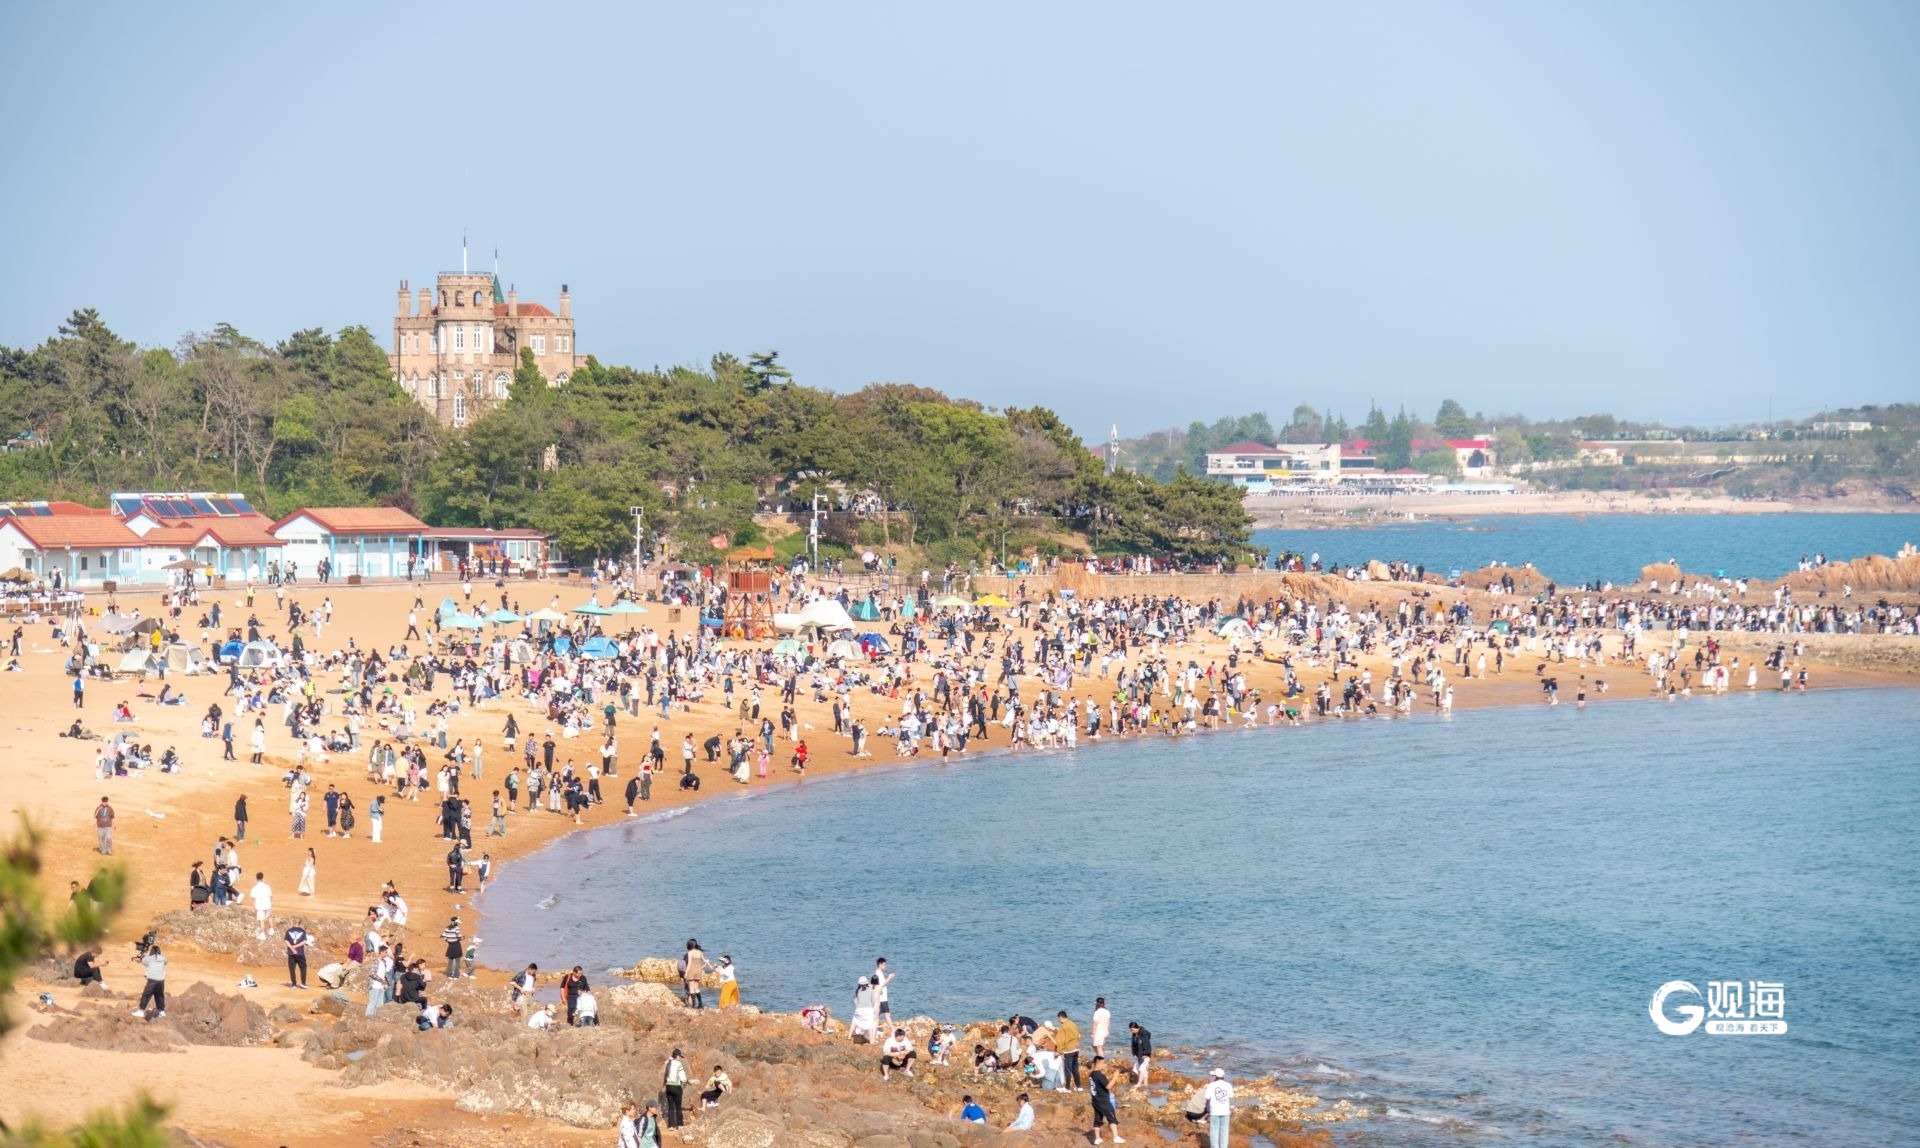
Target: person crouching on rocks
[896, 1053]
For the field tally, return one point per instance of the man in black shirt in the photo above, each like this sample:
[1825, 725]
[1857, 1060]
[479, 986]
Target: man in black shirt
[1103, 1113]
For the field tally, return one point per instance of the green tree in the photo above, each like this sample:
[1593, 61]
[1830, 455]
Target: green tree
[27, 933]
[1452, 420]
[766, 372]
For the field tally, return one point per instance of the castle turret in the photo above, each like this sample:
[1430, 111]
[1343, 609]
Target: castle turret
[566, 303]
[405, 299]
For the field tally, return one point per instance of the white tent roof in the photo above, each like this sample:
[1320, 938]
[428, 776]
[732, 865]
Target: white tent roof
[825, 614]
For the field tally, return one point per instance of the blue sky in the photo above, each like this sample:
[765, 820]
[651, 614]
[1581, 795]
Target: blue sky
[1139, 214]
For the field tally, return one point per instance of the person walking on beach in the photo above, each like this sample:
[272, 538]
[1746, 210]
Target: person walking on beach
[103, 827]
[79, 690]
[1219, 1094]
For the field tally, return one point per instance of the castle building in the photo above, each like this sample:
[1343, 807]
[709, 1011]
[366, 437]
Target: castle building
[456, 350]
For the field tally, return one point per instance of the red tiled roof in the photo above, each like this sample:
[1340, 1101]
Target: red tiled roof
[1469, 443]
[536, 310]
[241, 530]
[358, 519]
[82, 530]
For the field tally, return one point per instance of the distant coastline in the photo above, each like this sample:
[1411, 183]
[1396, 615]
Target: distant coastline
[1346, 511]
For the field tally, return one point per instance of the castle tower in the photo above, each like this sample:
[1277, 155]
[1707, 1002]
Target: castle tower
[456, 353]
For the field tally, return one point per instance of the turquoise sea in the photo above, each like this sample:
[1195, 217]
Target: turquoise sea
[1456, 923]
[1609, 547]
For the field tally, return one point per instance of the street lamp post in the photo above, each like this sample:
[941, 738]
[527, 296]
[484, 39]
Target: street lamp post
[639, 525]
[813, 533]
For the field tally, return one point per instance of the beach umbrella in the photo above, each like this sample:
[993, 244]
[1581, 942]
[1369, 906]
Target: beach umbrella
[627, 606]
[592, 607]
[16, 575]
[991, 600]
[502, 617]
[462, 622]
[182, 564]
[547, 614]
[951, 602]
[785, 647]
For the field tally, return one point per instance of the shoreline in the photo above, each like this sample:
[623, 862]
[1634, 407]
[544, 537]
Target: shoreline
[169, 820]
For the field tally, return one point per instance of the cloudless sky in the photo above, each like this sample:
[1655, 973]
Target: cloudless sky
[1133, 213]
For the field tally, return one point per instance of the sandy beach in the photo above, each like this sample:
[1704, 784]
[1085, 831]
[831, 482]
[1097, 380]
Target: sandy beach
[166, 822]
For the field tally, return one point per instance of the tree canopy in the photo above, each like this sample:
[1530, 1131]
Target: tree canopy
[317, 419]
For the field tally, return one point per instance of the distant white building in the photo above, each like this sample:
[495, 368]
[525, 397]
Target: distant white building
[1839, 428]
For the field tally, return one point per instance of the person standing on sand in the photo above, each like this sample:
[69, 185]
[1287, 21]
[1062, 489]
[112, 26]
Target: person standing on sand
[103, 827]
[155, 992]
[262, 897]
[308, 872]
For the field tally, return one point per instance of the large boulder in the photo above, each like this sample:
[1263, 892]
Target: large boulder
[644, 997]
[741, 1128]
[657, 970]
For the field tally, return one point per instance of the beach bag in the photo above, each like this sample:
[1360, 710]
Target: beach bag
[1197, 1107]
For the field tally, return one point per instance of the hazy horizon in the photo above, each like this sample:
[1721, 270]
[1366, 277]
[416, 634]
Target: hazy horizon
[1688, 214]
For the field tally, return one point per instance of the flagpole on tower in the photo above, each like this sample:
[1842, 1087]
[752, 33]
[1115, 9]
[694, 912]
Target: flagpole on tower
[463, 253]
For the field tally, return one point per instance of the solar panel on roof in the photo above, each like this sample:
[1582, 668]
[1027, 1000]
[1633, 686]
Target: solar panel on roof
[240, 505]
[41, 510]
[201, 506]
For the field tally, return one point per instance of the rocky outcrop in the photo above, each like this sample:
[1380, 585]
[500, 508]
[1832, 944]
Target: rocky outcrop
[199, 1015]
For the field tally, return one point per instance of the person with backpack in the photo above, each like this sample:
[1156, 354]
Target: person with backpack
[674, 1081]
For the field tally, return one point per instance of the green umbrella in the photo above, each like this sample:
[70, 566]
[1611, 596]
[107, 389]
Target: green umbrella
[592, 607]
[462, 622]
[626, 606]
[502, 617]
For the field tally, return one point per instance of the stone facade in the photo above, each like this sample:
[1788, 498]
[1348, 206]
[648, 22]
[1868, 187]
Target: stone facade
[455, 349]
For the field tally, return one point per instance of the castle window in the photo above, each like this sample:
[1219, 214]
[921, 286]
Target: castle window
[500, 384]
[433, 342]
[459, 337]
[459, 298]
[459, 409]
[560, 380]
[539, 344]
[433, 386]
[563, 343]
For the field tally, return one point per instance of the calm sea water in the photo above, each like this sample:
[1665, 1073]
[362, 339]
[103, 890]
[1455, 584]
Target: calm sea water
[1610, 547]
[1456, 923]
